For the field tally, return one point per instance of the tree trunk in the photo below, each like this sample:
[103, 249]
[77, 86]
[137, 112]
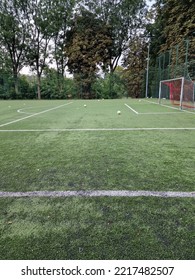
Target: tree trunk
[38, 86]
[16, 85]
[15, 75]
[60, 82]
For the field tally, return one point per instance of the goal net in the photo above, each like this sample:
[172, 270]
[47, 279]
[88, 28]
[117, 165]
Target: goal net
[177, 92]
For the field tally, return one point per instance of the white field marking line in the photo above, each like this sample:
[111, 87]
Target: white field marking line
[21, 111]
[131, 109]
[167, 106]
[157, 113]
[24, 108]
[98, 129]
[160, 113]
[100, 193]
[36, 114]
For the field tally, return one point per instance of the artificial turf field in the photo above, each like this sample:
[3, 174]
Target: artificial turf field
[62, 145]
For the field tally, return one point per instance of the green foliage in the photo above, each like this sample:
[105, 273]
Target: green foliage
[85, 51]
[61, 15]
[52, 82]
[5, 84]
[172, 41]
[124, 18]
[26, 90]
[88, 36]
[174, 22]
[111, 86]
[40, 28]
[180, 23]
[135, 65]
[13, 36]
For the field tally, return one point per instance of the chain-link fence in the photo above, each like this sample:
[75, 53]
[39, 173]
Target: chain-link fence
[177, 62]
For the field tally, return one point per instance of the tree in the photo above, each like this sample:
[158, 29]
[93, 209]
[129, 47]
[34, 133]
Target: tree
[101, 87]
[87, 46]
[174, 22]
[41, 31]
[179, 16]
[14, 35]
[135, 63]
[62, 13]
[49, 86]
[125, 18]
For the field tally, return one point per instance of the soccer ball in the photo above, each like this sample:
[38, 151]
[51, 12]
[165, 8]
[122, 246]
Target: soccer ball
[85, 105]
[119, 112]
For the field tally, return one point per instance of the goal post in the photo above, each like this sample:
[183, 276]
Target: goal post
[177, 92]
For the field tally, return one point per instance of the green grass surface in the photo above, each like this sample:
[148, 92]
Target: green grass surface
[96, 228]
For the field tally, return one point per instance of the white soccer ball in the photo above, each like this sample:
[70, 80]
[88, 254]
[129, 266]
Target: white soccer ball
[119, 112]
[85, 105]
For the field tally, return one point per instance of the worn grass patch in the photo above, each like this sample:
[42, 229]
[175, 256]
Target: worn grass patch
[97, 228]
[143, 160]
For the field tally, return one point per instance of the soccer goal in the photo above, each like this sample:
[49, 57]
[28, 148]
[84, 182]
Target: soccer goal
[178, 92]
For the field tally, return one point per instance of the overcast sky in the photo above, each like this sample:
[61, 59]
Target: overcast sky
[150, 2]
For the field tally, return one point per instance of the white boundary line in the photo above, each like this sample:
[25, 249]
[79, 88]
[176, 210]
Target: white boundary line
[156, 113]
[167, 106]
[97, 129]
[21, 111]
[163, 105]
[131, 109]
[100, 193]
[36, 114]
[160, 113]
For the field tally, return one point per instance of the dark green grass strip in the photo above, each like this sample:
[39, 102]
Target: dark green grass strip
[97, 228]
